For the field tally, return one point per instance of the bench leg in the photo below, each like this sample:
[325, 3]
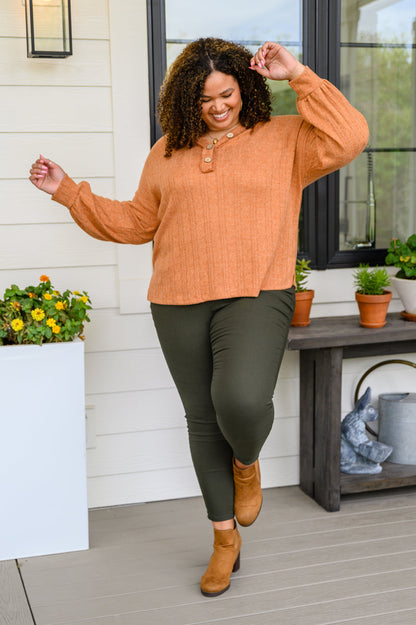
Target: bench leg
[320, 433]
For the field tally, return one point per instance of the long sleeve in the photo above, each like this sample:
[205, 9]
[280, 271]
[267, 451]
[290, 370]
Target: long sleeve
[333, 132]
[134, 221]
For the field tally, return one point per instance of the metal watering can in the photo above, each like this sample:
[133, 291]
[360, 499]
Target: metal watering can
[397, 425]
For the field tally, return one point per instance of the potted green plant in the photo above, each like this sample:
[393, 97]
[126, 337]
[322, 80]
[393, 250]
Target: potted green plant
[42, 421]
[304, 296]
[403, 255]
[41, 314]
[371, 295]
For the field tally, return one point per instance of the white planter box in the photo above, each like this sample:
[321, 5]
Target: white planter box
[43, 489]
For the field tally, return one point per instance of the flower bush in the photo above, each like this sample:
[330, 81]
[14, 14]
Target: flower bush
[41, 314]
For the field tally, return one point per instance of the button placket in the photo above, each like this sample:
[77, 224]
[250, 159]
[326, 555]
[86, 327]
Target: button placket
[208, 153]
[207, 160]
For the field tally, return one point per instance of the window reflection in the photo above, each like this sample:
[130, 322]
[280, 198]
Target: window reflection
[378, 75]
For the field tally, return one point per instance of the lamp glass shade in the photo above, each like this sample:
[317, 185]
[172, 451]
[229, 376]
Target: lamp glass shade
[48, 28]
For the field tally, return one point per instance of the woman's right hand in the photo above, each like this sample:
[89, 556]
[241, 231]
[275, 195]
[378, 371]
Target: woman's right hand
[46, 175]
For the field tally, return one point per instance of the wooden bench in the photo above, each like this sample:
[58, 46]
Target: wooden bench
[322, 346]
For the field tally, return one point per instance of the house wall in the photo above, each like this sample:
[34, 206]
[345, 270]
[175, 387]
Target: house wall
[90, 114]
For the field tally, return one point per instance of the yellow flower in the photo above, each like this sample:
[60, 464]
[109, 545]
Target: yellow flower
[59, 305]
[56, 329]
[84, 299]
[404, 259]
[77, 293]
[47, 296]
[44, 278]
[50, 322]
[57, 293]
[37, 314]
[17, 324]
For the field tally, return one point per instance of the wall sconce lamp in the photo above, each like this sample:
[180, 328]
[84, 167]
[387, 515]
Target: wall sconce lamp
[48, 28]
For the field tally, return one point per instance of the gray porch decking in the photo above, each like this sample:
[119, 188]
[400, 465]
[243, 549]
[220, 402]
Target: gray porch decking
[300, 565]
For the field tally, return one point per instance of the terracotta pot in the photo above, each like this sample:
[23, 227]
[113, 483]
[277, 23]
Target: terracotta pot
[303, 308]
[373, 309]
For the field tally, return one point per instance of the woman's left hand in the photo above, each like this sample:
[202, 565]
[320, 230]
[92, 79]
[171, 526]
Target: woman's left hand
[273, 61]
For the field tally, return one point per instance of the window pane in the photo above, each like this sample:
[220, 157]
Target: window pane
[235, 20]
[378, 75]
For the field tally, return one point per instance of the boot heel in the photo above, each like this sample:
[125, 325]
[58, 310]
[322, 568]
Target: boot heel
[236, 566]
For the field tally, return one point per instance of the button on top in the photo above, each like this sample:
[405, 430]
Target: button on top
[209, 146]
[207, 159]
[230, 135]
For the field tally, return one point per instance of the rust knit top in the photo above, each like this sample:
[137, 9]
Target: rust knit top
[224, 217]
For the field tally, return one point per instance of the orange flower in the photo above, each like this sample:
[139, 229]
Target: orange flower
[56, 329]
[31, 294]
[47, 296]
[44, 278]
[16, 306]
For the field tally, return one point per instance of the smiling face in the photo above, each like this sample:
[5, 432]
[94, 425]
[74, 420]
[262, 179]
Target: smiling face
[221, 102]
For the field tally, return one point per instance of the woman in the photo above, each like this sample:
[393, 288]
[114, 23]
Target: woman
[219, 196]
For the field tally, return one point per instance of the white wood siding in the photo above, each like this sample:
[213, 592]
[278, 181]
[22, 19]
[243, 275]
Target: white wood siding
[90, 113]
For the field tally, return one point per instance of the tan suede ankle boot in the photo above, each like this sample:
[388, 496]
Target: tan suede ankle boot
[224, 561]
[247, 493]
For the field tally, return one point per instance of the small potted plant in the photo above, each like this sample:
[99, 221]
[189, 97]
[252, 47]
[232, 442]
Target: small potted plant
[372, 298]
[403, 255]
[304, 296]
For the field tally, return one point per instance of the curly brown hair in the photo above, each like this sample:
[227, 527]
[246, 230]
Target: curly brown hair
[179, 106]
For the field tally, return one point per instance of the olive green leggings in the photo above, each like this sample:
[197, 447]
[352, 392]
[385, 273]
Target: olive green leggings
[224, 357]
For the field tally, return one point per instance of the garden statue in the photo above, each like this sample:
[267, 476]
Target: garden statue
[359, 454]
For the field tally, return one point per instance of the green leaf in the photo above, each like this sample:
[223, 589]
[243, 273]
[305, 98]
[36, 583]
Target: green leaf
[411, 241]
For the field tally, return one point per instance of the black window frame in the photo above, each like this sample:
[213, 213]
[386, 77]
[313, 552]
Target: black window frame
[321, 52]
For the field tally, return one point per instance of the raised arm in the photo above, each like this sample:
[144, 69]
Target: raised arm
[333, 132]
[134, 221]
